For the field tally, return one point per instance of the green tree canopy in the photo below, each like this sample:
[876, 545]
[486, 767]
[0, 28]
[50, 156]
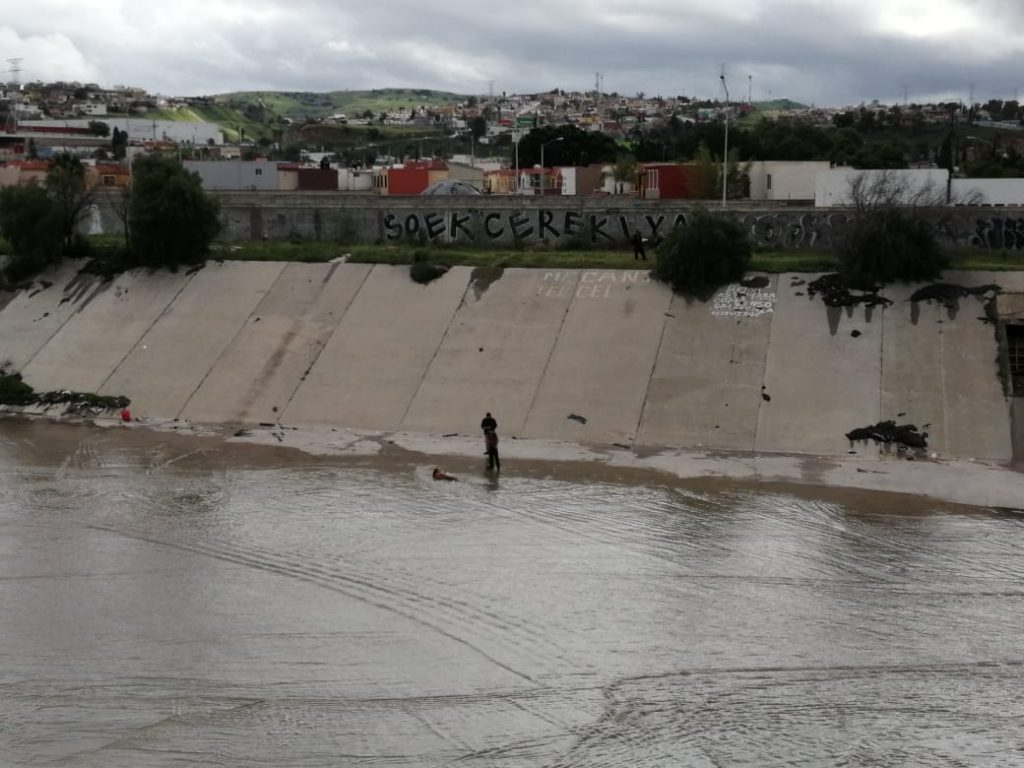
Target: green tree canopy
[65, 184]
[706, 252]
[170, 217]
[31, 223]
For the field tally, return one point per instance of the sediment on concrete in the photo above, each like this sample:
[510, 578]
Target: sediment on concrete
[587, 356]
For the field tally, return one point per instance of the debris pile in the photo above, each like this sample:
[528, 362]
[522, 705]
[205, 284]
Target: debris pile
[836, 293]
[947, 292]
[888, 432]
[14, 391]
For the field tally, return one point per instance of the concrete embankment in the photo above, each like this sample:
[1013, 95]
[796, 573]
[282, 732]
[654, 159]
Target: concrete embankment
[591, 357]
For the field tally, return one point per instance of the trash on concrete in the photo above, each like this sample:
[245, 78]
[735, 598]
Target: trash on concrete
[836, 293]
[577, 417]
[889, 433]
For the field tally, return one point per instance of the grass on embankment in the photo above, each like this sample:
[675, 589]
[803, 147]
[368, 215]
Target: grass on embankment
[773, 261]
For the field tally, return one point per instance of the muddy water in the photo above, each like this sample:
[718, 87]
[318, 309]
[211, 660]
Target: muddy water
[174, 603]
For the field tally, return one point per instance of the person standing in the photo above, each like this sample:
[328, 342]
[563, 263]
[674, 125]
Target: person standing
[491, 444]
[488, 422]
[638, 247]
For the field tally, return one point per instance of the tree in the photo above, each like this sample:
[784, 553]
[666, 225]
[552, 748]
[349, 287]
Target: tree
[624, 171]
[119, 144]
[706, 252]
[99, 128]
[65, 185]
[30, 222]
[889, 237]
[170, 218]
[477, 126]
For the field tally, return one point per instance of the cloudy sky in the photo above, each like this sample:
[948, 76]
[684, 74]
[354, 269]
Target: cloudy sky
[824, 52]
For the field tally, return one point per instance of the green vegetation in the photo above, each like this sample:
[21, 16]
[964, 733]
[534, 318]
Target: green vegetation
[562, 257]
[889, 238]
[305, 104]
[704, 254]
[40, 222]
[14, 391]
[171, 220]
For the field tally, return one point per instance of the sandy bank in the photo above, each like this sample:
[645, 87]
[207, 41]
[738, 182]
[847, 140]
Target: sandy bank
[968, 482]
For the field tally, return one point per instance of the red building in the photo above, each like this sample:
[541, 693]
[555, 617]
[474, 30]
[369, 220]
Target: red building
[673, 181]
[410, 178]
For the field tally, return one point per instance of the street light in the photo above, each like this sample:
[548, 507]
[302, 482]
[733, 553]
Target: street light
[542, 173]
[725, 151]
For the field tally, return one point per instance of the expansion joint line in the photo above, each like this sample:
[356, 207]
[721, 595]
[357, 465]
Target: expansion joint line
[551, 354]
[320, 351]
[654, 365]
[146, 332]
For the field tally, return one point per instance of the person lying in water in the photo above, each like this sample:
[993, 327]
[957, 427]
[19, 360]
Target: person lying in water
[440, 474]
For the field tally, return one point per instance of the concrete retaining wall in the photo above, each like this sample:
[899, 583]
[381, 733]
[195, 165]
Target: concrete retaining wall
[592, 356]
[511, 221]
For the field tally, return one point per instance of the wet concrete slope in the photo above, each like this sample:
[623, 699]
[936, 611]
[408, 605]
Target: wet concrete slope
[256, 377]
[822, 373]
[34, 315]
[596, 356]
[84, 353]
[369, 371]
[596, 381]
[495, 351]
[173, 357]
[706, 384]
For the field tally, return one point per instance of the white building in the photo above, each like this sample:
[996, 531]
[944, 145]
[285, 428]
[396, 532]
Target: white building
[987, 191]
[139, 129]
[236, 174]
[833, 187]
[785, 180]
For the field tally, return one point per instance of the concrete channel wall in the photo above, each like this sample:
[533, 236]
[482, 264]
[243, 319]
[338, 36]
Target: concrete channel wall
[506, 221]
[591, 356]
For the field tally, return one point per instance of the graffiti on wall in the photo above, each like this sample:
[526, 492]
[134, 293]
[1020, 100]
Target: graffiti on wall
[997, 233]
[527, 226]
[797, 229]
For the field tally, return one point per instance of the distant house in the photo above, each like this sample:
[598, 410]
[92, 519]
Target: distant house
[581, 180]
[409, 178]
[785, 180]
[467, 174]
[236, 174]
[109, 175]
[662, 181]
[318, 180]
[500, 182]
[833, 187]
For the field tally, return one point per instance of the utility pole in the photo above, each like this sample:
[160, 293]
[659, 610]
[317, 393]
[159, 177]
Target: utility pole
[725, 150]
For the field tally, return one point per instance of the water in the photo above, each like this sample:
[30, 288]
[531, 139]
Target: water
[166, 602]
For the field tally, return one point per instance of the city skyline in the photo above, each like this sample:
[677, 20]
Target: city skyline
[832, 54]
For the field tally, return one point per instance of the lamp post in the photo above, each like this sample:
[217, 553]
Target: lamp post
[516, 141]
[725, 151]
[543, 175]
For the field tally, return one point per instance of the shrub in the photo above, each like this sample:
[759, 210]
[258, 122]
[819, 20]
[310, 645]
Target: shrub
[425, 271]
[30, 221]
[707, 252]
[889, 237]
[171, 219]
[884, 246]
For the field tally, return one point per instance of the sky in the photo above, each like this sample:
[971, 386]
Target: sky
[821, 52]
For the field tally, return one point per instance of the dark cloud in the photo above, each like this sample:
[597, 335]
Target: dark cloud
[837, 52]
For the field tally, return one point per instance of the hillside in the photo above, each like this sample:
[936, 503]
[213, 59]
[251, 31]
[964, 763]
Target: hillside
[307, 104]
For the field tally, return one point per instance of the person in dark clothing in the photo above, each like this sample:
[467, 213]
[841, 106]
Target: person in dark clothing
[488, 422]
[491, 443]
[638, 246]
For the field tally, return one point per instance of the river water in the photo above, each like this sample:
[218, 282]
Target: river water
[167, 602]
